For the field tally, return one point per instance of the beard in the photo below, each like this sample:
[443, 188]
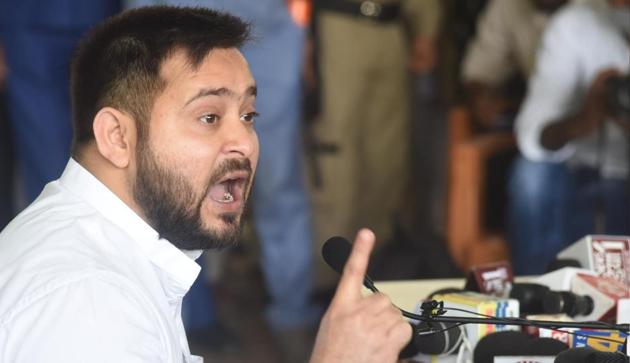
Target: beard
[173, 209]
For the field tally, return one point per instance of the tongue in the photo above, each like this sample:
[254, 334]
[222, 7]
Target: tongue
[217, 192]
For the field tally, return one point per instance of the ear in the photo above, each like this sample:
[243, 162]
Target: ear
[115, 135]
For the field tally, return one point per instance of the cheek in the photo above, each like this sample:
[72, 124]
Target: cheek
[192, 167]
[256, 152]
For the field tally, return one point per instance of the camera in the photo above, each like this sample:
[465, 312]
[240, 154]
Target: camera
[618, 96]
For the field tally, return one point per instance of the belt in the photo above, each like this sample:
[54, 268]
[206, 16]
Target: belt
[366, 9]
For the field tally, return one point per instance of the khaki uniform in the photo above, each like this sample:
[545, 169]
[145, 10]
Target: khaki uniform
[364, 112]
[508, 35]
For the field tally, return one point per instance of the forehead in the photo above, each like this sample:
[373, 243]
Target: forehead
[220, 68]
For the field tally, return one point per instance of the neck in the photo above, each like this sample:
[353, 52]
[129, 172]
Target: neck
[118, 180]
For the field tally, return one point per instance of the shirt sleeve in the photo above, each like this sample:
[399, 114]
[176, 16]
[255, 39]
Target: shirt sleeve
[488, 58]
[554, 90]
[86, 321]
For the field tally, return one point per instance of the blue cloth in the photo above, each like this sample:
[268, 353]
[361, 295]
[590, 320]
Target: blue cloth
[281, 207]
[39, 38]
[198, 309]
[7, 211]
[552, 205]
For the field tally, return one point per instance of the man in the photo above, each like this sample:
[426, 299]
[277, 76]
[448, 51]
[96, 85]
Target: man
[281, 212]
[361, 149]
[501, 54]
[572, 180]
[164, 153]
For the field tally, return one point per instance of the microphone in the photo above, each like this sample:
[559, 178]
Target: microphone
[515, 343]
[590, 355]
[605, 255]
[567, 302]
[336, 251]
[440, 338]
[500, 343]
[530, 297]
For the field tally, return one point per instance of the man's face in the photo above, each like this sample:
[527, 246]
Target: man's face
[195, 167]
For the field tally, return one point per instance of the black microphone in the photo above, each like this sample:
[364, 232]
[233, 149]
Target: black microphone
[440, 338]
[336, 251]
[500, 343]
[556, 302]
[590, 355]
[530, 297]
[515, 343]
[437, 338]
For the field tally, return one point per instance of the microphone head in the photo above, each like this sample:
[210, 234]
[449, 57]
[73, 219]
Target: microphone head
[435, 343]
[556, 302]
[500, 343]
[336, 251]
[590, 355]
[530, 297]
[545, 347]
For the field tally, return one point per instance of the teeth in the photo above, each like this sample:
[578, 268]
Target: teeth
[228, 197]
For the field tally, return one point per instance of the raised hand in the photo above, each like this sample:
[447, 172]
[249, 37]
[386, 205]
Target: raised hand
[358, 329]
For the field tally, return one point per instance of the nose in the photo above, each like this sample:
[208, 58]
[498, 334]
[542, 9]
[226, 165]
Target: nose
[239, 138]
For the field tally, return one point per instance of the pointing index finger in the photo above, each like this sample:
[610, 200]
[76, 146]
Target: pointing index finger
[354, 271]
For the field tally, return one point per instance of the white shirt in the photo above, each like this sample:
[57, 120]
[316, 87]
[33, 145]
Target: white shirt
[580, 41]
[84, 279]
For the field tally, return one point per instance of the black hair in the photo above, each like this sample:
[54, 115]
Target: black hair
[118, 63]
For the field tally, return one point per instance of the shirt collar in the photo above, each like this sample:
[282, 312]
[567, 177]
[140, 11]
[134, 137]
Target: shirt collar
[179, 265]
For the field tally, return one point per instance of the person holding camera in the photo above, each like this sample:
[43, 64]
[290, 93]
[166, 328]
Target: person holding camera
[573, 132]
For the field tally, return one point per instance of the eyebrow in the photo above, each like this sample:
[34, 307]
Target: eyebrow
[204, 92]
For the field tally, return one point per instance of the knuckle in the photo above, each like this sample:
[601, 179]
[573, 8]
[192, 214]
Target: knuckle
[394, 315]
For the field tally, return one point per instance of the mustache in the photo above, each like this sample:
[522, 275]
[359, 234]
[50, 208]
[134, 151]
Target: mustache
[229, 166]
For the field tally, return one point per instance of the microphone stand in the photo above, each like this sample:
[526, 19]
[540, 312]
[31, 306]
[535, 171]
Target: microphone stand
[433, 310]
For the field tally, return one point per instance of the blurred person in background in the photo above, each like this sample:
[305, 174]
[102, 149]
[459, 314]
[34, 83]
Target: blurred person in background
[39, 38]
[573, 177]
[281, 211]
[500, 58]
[361, 132]
[498, 61]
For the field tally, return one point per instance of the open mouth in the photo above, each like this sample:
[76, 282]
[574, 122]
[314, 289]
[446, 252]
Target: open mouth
[230, 189]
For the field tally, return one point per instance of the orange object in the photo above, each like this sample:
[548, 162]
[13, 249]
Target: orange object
[469, 243]
[300, 11]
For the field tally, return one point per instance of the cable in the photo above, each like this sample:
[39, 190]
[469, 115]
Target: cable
[511, 321]
[528, 322]
[535, 325]
[430, 332]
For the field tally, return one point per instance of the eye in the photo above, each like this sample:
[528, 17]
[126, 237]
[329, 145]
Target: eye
[209, 119]
[249, 117]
